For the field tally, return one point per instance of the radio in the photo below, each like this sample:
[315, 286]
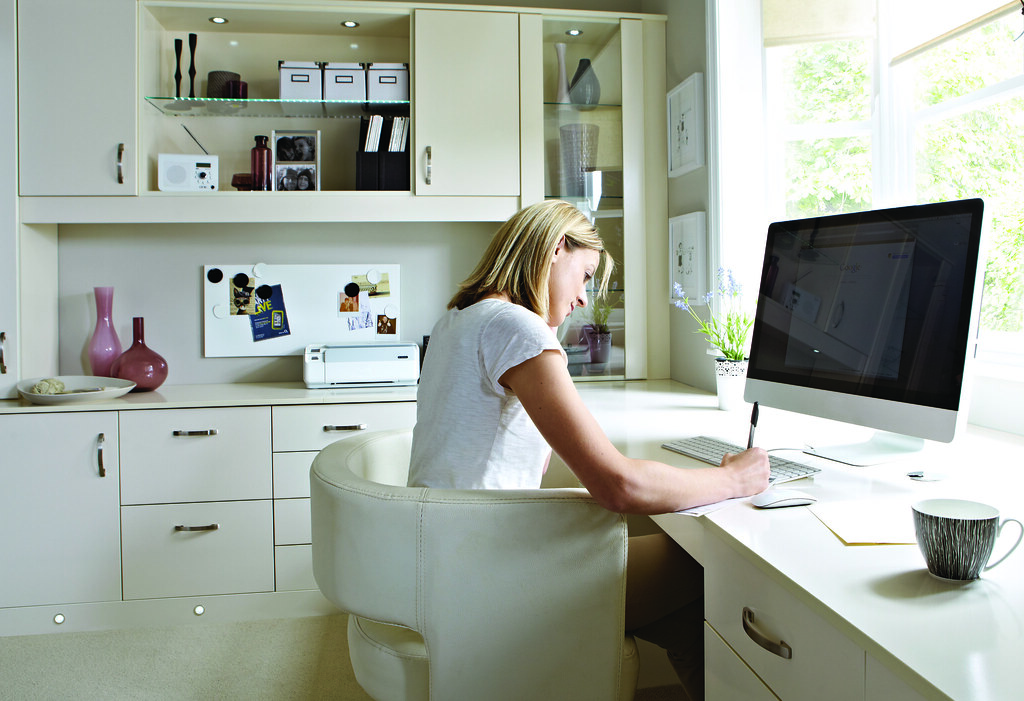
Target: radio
[179, 172]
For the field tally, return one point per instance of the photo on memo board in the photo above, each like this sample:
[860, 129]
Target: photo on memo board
[296, 160]
[685, 104]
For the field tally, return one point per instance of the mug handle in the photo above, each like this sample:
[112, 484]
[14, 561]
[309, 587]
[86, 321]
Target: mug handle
[1020, 536]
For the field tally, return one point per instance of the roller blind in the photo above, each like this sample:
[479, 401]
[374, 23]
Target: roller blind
[800, 21]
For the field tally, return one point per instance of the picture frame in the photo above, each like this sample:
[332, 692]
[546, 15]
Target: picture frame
[687, 236]
[296, 160]
[685, 105]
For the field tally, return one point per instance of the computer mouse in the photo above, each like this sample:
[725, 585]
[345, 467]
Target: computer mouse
[775, 498]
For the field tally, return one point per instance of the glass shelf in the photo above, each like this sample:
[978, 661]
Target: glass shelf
[220, 107]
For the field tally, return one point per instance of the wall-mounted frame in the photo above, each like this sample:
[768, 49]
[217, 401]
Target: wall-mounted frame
[296, 160]
[687, 236]
[685, 103]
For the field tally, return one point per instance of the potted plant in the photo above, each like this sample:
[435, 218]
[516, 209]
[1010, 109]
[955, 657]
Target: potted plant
[728, 332]
[597, 332]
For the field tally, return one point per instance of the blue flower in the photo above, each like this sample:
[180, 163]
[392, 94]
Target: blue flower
[728, 330]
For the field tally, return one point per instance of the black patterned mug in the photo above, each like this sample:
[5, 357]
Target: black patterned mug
[957, 536]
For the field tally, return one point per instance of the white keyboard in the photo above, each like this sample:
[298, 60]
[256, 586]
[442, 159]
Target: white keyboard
[711, 450]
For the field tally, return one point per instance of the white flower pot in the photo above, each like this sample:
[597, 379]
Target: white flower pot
[730, 378]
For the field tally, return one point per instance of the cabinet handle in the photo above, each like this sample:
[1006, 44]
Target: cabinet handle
[429, 166]
[779, 648]
[211, 527]
[120, 164]
[348, 427]
[3, 340]
[206, 432]
[100, 440]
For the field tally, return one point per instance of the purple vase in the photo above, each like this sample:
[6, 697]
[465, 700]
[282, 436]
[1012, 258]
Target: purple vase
[105, 347]
[139, 364]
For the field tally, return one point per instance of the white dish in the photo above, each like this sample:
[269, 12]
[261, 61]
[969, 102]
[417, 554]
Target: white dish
[74, 389]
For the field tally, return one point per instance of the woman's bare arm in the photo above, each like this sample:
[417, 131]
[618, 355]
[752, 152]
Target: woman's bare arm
[618, 483]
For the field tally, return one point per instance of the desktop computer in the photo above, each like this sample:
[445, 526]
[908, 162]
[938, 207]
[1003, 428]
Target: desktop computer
[870, 318]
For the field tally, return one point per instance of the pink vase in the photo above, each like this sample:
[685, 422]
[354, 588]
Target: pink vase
[139, 364]
[105, 347]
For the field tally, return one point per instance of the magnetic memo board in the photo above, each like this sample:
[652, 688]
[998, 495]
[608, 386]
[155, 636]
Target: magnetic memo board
[269, 310]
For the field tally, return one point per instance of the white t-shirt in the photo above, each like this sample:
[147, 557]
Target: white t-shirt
[472, 433]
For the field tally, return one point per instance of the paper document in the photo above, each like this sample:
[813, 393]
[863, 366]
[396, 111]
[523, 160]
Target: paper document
[708, 508]
[869, 521]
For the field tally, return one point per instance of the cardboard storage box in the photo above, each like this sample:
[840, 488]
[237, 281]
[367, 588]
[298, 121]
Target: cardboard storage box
[387, 81]
[301, 80]
[344, 81]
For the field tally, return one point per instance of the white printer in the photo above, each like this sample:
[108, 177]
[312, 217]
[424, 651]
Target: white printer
[338, 365]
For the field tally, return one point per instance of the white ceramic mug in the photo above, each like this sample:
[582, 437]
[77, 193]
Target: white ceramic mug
[956, 536]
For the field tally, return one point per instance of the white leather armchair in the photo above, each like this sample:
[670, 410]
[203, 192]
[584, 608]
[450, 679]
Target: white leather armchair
[469, 594]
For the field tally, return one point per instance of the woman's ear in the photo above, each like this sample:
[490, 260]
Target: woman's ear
[560, 246]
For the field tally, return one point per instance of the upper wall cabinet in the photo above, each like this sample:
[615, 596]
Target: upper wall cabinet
[76, 97]
[466, 104]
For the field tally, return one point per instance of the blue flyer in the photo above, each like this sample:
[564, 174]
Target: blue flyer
[270, 319]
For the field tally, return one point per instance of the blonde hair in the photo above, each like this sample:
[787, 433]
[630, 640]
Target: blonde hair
[517, 262]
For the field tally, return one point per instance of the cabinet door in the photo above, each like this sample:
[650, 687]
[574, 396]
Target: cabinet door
[466, 102]
[59, 509]
[76, 97]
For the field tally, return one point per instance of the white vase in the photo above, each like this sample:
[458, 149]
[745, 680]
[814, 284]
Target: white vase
[730, 378]
[562, 88]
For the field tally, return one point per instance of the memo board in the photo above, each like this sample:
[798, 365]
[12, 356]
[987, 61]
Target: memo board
[263, 309]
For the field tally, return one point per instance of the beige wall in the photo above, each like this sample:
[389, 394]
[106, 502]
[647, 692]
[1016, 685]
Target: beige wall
[686, 53]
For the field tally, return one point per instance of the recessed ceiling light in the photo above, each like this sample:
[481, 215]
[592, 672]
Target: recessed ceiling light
[218, 20]
[350, 24]
[574, 32]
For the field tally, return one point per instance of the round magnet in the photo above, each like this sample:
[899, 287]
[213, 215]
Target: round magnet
[215, 275]
[221, 311]
[351, 290]
[240, 280]
[373, 276]
[258, 270]
[391, 311]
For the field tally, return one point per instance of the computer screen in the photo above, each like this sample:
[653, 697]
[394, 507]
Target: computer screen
[867, 318]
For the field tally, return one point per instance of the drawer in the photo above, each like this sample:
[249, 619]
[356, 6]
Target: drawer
[314, 427]
[182, 455]
[294, 564]
[291, 474]
[291, 522]
[824, 664]
[159, 560]
[726, 677]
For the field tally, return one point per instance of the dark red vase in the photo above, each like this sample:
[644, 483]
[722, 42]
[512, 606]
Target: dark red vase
[139, 364]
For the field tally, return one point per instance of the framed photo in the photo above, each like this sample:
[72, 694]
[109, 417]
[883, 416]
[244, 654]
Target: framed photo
[688, 256]
[686, 126]
[296, 160]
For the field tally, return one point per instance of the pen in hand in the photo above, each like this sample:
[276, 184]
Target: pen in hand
[753, 425]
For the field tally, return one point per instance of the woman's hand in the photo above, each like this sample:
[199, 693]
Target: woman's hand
[749, 469]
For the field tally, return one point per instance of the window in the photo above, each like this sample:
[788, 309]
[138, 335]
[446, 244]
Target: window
[849, 128]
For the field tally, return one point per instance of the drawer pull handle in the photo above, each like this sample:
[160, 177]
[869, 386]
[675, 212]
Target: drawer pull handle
[120, 164]
[211, 527]
[779, 648]
[207, 432]
[430, 167]
[100, 440]
[345, 427]
[3, 340]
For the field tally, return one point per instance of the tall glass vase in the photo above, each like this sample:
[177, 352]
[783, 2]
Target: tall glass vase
[140, 364]
[562, 89]
[104, 347]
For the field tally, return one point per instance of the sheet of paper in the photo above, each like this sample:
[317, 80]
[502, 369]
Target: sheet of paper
[868, 522]
[707, 508]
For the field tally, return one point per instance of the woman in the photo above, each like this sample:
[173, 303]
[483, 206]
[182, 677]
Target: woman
[495, 397]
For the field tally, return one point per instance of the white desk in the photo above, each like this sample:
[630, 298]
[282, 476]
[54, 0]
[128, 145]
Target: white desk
[918, 637]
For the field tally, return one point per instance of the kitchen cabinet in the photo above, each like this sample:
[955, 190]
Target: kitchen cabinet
[8, 206]
[58, 509]
[170, 504]
[77, 108]
[466, 103]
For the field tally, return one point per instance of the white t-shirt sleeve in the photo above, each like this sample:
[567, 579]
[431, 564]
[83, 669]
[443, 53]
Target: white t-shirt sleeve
[512, 337]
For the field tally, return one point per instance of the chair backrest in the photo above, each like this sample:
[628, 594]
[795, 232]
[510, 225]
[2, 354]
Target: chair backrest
[517, 594]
